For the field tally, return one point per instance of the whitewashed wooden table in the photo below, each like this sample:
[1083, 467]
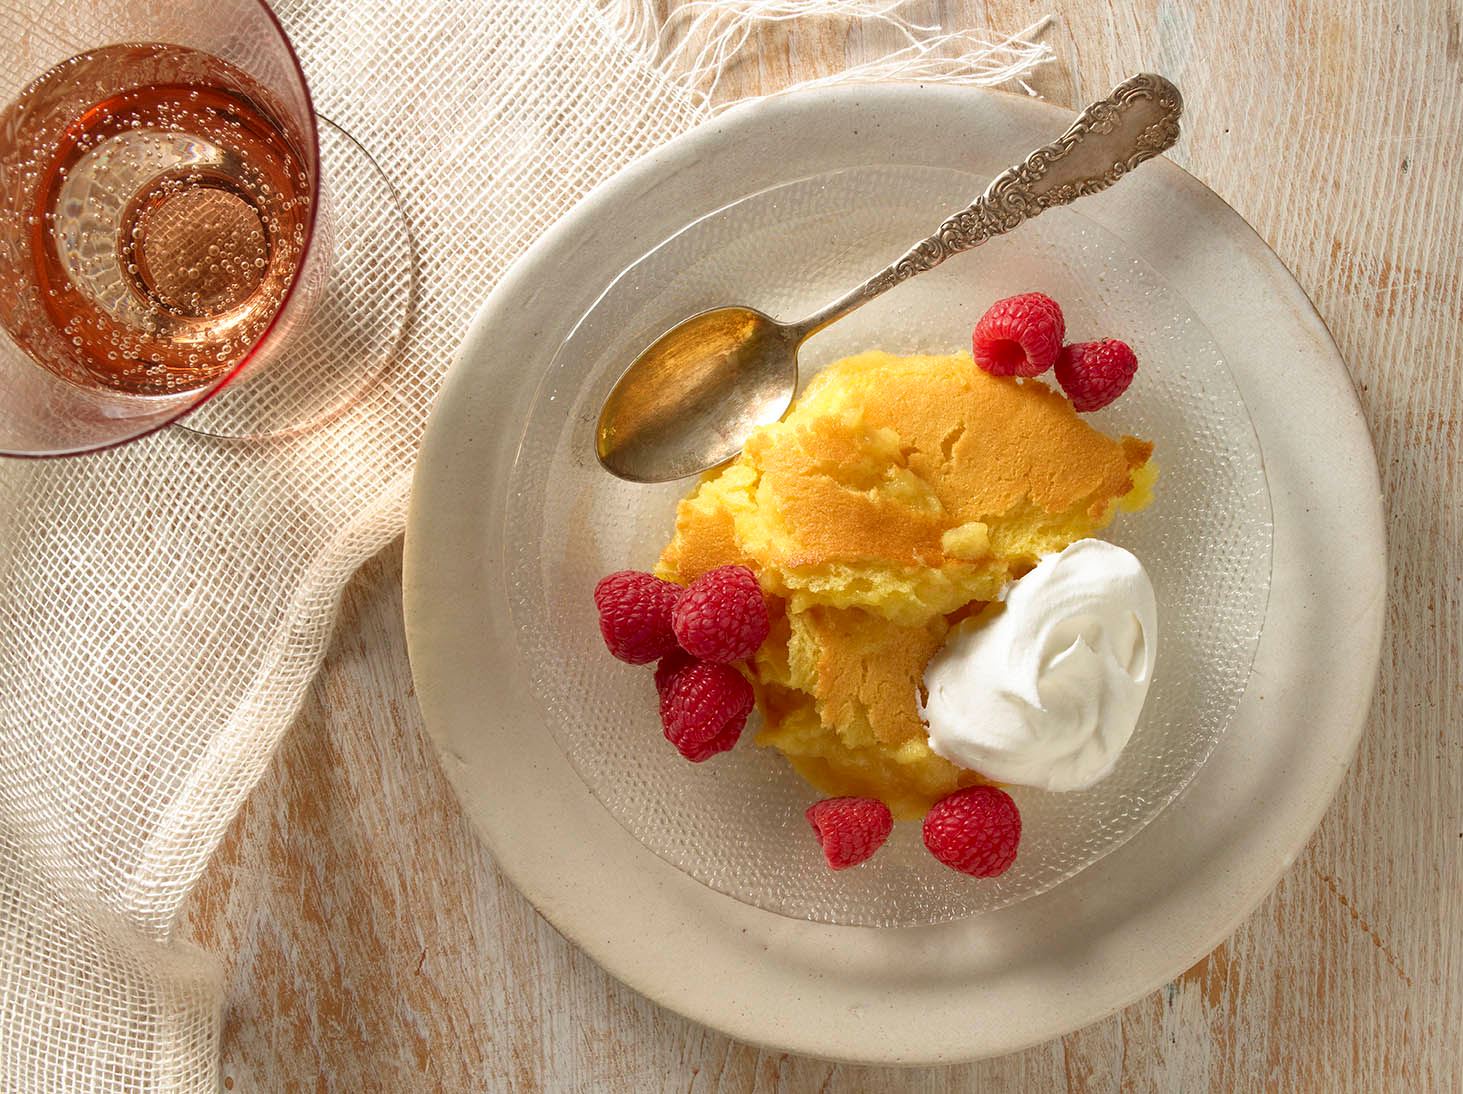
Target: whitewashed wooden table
[370, 944]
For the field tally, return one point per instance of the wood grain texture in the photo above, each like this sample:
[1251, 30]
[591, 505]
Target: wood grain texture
[370, 944]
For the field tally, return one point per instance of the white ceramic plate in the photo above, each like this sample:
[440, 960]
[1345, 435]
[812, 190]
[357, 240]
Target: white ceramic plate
[1012, 977]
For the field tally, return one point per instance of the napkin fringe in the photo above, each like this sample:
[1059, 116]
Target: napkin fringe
[700, 42]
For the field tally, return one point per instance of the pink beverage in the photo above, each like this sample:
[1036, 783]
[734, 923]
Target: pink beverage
[155, 206]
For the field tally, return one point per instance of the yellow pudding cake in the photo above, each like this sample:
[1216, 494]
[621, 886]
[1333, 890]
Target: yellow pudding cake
[899, 495]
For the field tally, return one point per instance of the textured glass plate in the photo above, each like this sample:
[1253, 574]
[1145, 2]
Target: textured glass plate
[736, 822]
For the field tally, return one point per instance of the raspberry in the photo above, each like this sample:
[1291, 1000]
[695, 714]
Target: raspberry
[671, 664]
[1093, 374]
[722, 617]
[1019, 336]
[635, 615]
[975, 831]
[850, 829]
[703, 707]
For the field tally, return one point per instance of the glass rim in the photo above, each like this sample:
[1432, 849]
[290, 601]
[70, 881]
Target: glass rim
[204, 394]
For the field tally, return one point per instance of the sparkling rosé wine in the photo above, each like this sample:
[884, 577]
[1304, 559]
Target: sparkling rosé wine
[154, 209]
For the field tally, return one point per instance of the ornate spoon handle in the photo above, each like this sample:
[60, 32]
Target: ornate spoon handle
[1112, 136]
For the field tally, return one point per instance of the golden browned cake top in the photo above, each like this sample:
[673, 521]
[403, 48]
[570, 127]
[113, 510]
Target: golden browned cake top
[962, 446]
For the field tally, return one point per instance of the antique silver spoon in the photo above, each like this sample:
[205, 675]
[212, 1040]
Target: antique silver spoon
[690, 400]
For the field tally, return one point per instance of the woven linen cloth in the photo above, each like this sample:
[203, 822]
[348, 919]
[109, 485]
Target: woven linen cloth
[164, 605]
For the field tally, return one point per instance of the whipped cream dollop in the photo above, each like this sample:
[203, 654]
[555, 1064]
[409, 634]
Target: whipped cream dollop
[1044, 688]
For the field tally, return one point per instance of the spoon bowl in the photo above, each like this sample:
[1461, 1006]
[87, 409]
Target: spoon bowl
[692, 397]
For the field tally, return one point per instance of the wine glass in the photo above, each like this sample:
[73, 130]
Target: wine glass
[168, 245]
